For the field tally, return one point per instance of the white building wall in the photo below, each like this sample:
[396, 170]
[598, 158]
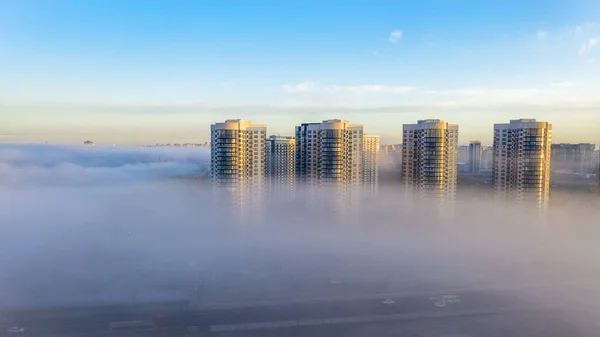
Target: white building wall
[371, 164]
[238, 164]
[280, 166]
[522, 152]
[430, 159]
[329, 161]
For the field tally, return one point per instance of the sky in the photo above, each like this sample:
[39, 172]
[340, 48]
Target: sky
[148, 71]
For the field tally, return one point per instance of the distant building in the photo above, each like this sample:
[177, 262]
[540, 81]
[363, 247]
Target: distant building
[597, 161]
[475, 157]
[280, 165]
[370, 164]
[487, 158]
[575, 158]
[430, 158]
[392, 152]
[522, 161]
[463, 154]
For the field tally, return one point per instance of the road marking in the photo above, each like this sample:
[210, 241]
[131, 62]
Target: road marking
[359, 319]
[130, 324]
[380, 296]
[444, 300]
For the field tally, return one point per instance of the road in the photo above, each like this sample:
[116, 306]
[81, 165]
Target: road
[178, 318]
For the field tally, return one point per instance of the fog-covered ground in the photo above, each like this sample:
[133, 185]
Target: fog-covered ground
[36, 165]
[87, 225]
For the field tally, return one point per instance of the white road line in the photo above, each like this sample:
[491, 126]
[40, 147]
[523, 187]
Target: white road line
[359, 319]
[240, 305]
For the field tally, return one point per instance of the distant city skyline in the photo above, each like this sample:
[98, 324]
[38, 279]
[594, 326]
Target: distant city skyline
[143, 72]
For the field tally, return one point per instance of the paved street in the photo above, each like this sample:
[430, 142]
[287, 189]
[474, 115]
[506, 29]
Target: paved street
[177, 319]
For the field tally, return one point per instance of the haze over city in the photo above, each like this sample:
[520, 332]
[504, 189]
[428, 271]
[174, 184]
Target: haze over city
[266, 168]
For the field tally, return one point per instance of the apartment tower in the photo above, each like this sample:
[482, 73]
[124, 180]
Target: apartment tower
[238, 162]
[370, 164]
[280, 166]
[521, 170]
[574, 158]
[329, 153]
[475, 157]
[430, 159]
[329, 158]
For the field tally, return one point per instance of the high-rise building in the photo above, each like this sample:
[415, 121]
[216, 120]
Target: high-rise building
[280, 165]
[392, 154]
[329, 153]
[575, 158]
[475, 157]
[597, 161]
[238, 161]
[522, 161]
[329, 158]
[463, 154]
[487, 158]
[307, 154]
[370, 164]
[430, 158]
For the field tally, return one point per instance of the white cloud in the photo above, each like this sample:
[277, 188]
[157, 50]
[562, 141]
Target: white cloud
[563, 84]
[395, 36]
[492, 96]
[380, 95]
[313, 87]
[305, 86]
[582, 38]
[588, 45]
[485, 92]
[367, 89]
[541, 34]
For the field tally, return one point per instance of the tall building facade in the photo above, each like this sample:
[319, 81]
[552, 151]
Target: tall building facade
[487, 158]
[430, 158]
[329, 157]
[238, 168]
[475, 157]
[280, 166]
[370, 164]
[597, 161]
[307, 155]
[576, 158]
[463, 154]
[521, 169]
[329, 153]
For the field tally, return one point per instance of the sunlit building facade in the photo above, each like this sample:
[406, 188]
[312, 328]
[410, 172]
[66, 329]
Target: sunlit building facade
[329, 158]
[370, 164]
[430, 159]
[487, 158]
[329, 153]
[280, 167]
[521, 171]
[238, 168]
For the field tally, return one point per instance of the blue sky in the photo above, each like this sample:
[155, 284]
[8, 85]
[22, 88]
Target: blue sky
[161, 71]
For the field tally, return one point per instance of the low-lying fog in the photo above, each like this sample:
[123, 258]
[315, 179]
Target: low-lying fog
[91, 224]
